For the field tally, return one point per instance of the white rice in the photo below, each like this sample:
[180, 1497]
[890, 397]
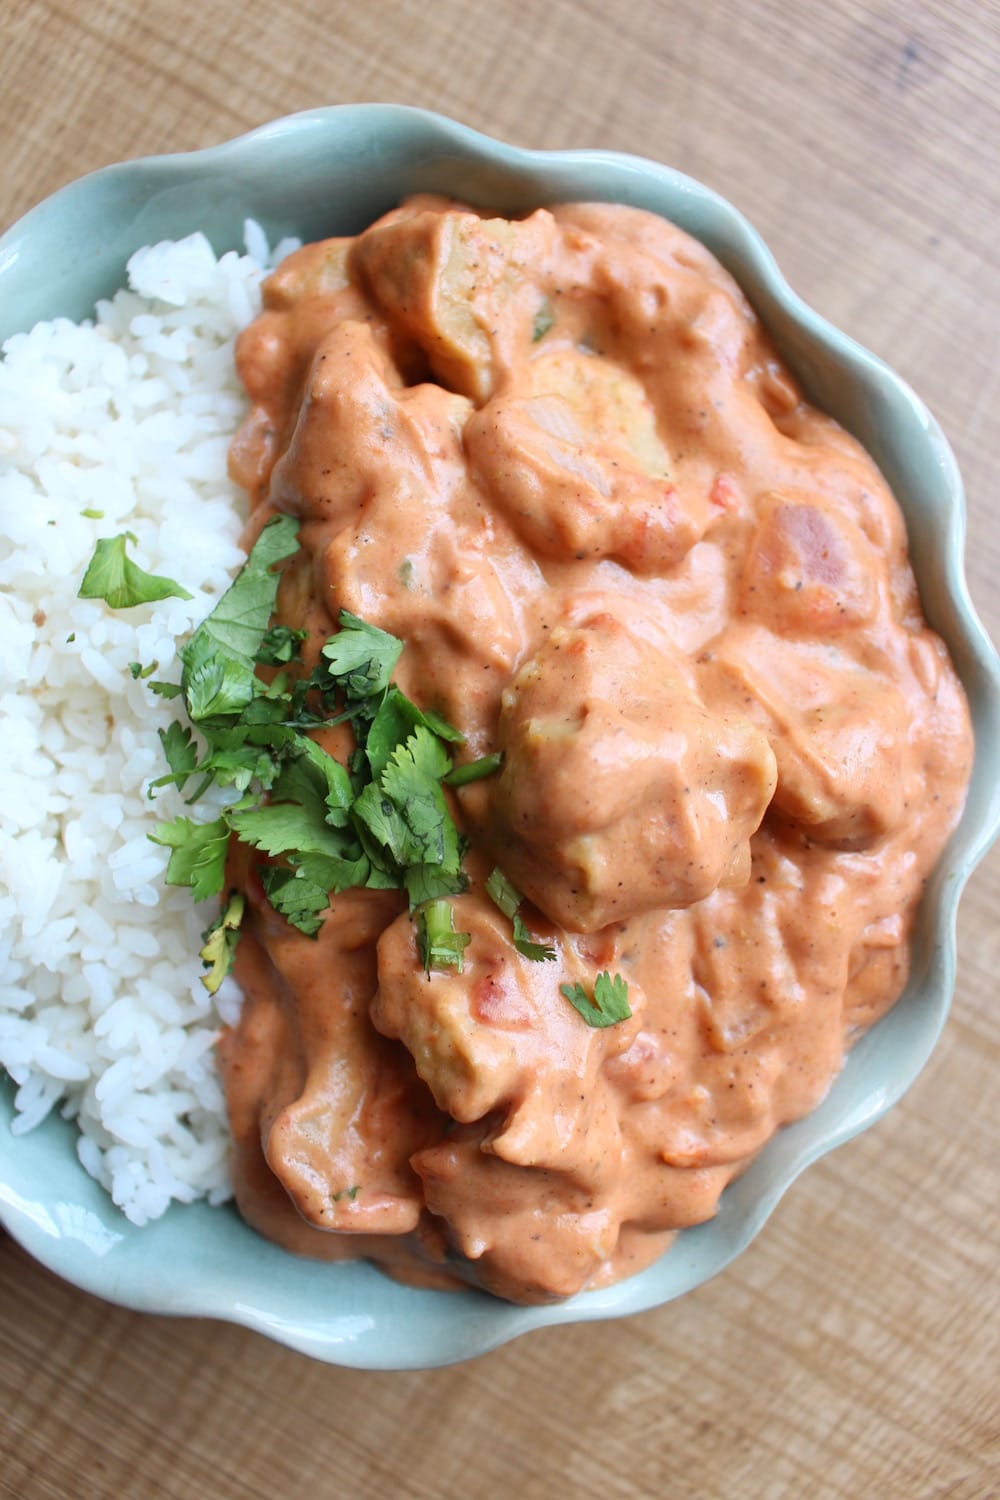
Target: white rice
[102, 1010]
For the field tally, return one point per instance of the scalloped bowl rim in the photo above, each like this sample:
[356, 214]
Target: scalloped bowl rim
[201, 1261]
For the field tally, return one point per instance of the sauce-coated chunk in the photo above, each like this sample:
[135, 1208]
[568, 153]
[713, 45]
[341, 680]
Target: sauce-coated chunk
[620, 790]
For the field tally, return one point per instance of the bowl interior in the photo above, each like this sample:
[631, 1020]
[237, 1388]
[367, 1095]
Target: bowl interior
[333, 171]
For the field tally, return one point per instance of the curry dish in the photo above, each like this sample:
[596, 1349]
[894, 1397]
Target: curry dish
[559, 459]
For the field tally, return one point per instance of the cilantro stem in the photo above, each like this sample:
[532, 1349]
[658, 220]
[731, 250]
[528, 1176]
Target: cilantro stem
[474, 770]
[441, 947]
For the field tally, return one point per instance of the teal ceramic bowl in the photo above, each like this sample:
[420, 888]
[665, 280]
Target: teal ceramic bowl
[333, 171]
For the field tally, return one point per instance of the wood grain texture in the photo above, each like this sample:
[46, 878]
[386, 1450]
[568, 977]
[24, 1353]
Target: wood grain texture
[854, 1350]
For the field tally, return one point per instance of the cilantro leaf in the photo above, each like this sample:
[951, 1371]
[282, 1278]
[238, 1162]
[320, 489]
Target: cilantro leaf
[441, 947]
[362, 658]
[395, 720]
[112, 576]
[245, 751]
[392, 725]
[405, 813]
[198, 854]
[286, 828]
[214, 684]
[412, 781]
[528, 947]
[608, 1005]
[319, 783]
[508, 898]
[279, 645]
[377, 814]
[218, 661]
[299, 900]
[219, 942]
[301, 891]
[239, 766]
[165, 689]
[334, 873]
[181, 754]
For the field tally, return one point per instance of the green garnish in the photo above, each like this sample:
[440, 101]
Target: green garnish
[475, 770]
[381, 821]
[279, 646]
[502, 893]
[608, 1005]
[92, 515]
[138, 671]
[350, 1193]
[219, 942]
[544, 320]
[197, 854]
[112, 575]
[218, 661]
[300, 901]
[508, 898]
[362, 657]
[441, 947]
[528, 947]
[181, 755]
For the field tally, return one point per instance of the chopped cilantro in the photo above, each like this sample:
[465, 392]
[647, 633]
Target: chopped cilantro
[219, 942]
[475, 770]
[441, 947]
[508, 898]
[92, 515]
[608, 1005]
[361, 657]
[502, 893]
[285, 828]
[138, 671]
[430, 882]
[544, 320]
[218, 661]
[394, 720]
[197, 854]
[412, 781]
[382, 821]
[349, 1192]
[527, 946]
[181, 755]
[216, 685]
[112, 576]
[331, 872]
[300, 901]
[439, 726]
[279, 645]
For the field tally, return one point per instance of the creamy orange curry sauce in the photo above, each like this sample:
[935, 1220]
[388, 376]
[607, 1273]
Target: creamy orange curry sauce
[560, 459]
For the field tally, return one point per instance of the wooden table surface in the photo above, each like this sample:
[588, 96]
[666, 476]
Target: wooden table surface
[854, 1350]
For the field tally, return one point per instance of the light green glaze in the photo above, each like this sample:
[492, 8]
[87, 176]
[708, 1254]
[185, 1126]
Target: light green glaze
[332, 171]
